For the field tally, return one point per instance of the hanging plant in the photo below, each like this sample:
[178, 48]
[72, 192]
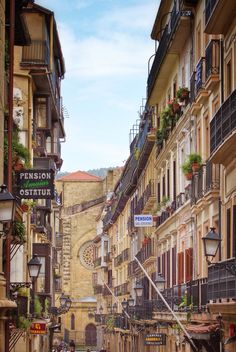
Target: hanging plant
[182, 93]
[37, 307]
[19, 231]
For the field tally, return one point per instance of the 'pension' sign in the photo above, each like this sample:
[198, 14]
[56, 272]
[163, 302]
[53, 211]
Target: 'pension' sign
[35, 184]
[143, 220]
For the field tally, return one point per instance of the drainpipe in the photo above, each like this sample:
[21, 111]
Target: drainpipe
[51, 42]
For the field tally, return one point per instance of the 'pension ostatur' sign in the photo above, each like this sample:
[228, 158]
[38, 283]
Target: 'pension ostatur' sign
[143, 220]
[35, 184]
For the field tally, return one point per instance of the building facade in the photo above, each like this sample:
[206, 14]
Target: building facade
[188, 117]
[32, 119]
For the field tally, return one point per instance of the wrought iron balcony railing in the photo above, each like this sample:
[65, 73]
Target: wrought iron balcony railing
[222, 280]
[223, 123]
[212, 58]
[209, 8]
[207, 179]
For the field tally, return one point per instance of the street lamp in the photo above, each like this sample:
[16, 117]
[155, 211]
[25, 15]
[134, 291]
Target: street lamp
[7, 205]
[138, 289]
[101, 310]
[130, 301]
[160, 282]
[115, 308]
[211, 243]
[124, 304]
[34, 266]
[65, 301]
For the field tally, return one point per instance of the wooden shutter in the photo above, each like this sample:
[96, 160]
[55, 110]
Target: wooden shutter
[174, 180]
[168, 183]
[163, 271]
[168, 268]
[158, 192]
[180, 268]
[174, 263]
[189, 264]
[158, 265]
[163, 185]
[228, 231]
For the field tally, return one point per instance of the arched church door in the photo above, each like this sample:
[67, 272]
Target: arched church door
[90, 335]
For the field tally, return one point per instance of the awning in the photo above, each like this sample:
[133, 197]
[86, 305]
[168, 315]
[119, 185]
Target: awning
[202, 331]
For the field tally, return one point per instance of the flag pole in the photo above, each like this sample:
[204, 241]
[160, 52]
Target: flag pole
[168, 306]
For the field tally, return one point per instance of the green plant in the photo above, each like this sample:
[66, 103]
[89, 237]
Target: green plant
[164, 200]
[37, 307]
[186, 167]
[23, 292]
[195, 158]
[19, 230]
[23, 323]
[136, 153]
[46, 304]
[19, 151]
[182, 93]
[110, 322]
[159, 137]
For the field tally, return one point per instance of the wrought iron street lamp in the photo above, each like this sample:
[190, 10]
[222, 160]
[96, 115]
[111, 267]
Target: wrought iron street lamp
[160, 282]
[211, 243]
[34, 266]
[124, 304]
[130, 301]
[138, 288]
[7, 205]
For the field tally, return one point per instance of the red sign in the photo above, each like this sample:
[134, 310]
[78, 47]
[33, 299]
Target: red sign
[38, 328]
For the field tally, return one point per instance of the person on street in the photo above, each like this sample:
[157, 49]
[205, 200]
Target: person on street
[72, 345]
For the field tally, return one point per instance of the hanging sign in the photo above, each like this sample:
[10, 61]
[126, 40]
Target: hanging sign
[155, 339]
[35, 184]
[38, 328]
[143, 220]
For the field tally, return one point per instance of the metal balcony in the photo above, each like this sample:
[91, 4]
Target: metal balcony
[219, 15]
[222, 131]
[221, 281]
[37, 53]
[206, 180]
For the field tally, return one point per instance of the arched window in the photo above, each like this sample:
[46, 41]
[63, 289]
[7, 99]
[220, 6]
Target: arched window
[72, 322]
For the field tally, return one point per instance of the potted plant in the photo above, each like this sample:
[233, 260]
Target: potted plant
[19, 231]
[27, 205]
[182, 94]
[195, 160]
[187, 170]
[174, 106]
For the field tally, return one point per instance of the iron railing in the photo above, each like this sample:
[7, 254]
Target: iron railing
[205, 180]
[212, 58]
[209, 8]
[221, 281]
[223, 123]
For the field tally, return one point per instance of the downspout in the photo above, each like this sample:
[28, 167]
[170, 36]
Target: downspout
[51, 42]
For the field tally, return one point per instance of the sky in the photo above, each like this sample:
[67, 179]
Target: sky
[106, 45]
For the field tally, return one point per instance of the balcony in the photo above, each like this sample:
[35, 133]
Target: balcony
[146, 253]
[205, 183]
[149, 196]
[98, 289]
[219, 15]
[221, 282]
[170, 45]
[36, 54]
[222, 132]
[132, 267]
[212, 58]
[118, 260]
[122, 289]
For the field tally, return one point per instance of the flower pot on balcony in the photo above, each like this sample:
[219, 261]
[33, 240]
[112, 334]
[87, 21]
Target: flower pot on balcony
[195, 167]
[189, 176]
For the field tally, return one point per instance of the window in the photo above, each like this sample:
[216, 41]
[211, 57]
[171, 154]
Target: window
[41, 112]
[229, 77]
[198, 42]
[41, 277]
